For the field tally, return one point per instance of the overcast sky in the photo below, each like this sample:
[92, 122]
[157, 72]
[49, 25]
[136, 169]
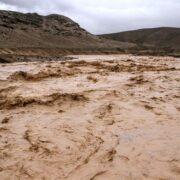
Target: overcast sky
[105, 16]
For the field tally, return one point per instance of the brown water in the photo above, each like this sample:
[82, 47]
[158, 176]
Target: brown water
[94, 118]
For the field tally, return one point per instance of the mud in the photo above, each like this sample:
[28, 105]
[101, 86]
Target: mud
[94, 118]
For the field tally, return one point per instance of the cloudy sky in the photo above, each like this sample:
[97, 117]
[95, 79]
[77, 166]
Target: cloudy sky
[105, 16]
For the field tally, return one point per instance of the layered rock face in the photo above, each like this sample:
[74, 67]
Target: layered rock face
[33, 30]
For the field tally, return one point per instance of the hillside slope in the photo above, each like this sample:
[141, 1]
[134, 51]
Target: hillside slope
[18, 30]
[33, 30]
[157, 37]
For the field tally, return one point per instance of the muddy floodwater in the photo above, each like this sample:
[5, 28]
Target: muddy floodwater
[113, 117]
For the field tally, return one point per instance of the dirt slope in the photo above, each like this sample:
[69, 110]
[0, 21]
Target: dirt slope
[18, 30]
[163, 37]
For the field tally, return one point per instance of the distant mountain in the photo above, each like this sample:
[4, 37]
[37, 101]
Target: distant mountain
[163, 37]
[19, 30]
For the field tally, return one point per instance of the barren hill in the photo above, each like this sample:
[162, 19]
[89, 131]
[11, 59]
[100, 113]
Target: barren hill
[52, 31]
[33, 34]
[33, 30]
[163, 37]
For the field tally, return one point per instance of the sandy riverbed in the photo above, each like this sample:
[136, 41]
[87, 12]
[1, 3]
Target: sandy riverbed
[93, 118]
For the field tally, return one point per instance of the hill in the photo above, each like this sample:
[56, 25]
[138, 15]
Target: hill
[19, 30]
[157, 37]
[29, 34]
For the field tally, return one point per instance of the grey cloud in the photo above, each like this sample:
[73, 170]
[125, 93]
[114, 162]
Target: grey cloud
[20, 3]
[105, 16]
[42, 6]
